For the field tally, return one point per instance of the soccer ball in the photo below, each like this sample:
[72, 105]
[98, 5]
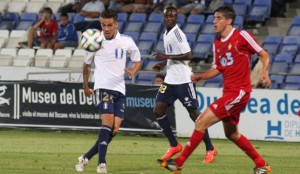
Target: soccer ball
[91, 40]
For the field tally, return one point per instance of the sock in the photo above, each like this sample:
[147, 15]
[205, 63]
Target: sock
[244, 144]
[103, 143]
[166, 128]
[93, 151]
[207, 141]
[190, 147]
[111, 136]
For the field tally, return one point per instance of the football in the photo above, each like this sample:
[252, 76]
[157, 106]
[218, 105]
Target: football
[91, 40]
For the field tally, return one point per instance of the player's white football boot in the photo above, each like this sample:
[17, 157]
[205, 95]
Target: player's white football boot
[81, 164]
[101, 168]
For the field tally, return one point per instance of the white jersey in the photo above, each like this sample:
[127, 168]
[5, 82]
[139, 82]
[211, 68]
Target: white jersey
[175, 43]
[110, 62]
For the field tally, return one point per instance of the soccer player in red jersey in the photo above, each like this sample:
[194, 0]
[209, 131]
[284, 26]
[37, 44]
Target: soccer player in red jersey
[232, 53]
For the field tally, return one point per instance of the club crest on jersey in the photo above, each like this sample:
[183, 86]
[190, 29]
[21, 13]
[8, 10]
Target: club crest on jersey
[229, 46]
[169, 48]
[119, 52]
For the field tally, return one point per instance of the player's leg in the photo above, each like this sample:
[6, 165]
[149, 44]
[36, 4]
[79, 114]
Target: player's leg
[233, 134]
[206, 119]
[165, 97]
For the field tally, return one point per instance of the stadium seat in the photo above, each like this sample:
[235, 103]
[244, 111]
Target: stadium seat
[292, 79]
[284, 57]
[122, 17]
[2, 42]
[196, 19]
[191, 28]
[153, 27]
[78, 55]
[228, 2]
[16, 36]
[291, 86]
[240, 9]
[239, 22]
[257, 13]
[161, 36]
[297, 59]
[212, 84]
[190, 37]
[148, 36]
[24, 25]
[210, 19]
[289, 49]
[202, 50]
[148, 66]
[272, 48]
[246, 2]
[295, 68]
[291, 40]
[34, 7]
[279, 67]
[279, 79]
[137, 17]
[294, 30]
[7, 55]
[42, 57]
[155, 17]
[24, 57]
[145, 47]
[133, 26]
[273, 39]
[121, 26]
[29, 17]
[16, 6]
[78, 18]
[134, 34]
[144, 78]
[4, 34]
[208, 29]
[206, 38]
[159, 47]
[181, 19]
[76, 64]
[266, 3]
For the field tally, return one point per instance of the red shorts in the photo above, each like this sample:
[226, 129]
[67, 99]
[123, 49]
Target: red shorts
[230, 105]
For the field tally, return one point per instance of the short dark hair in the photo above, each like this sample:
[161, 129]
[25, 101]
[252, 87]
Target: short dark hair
[227, 11]
[171, 8]
[64, 15]
[48, 10]
[160, 76]
[109, 13]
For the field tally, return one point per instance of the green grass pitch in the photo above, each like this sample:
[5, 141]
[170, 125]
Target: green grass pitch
[38, 152]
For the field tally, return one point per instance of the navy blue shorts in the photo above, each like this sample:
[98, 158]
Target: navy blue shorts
[109, 102]
[186, 93]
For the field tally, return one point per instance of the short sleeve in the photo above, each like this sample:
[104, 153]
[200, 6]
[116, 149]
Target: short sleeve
[134, 51]
[182, 42]
[55, 27]
[251, 43]
[89, 57]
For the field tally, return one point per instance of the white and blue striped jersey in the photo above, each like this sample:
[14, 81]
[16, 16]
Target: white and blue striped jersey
[110, 62]
[175, 43]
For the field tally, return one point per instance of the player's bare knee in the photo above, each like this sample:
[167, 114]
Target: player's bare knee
[199, 125]
[115, 131]
[193, 114]
[232, 136]
[158, 112]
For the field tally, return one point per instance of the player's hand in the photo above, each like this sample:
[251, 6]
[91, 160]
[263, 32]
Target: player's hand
[265, 79]
[196, 77]
[157, 67]
[130, 72]
[160, 56]
[88, 92]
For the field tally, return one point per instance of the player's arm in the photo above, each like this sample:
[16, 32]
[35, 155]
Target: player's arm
[212, 72]
[86, 74]
[159, 66]
[135, 57]
[264, 76]
[134, 69]
[185, 56]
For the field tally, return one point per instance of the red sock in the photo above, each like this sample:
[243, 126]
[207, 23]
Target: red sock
[244, 144]
[194, 141]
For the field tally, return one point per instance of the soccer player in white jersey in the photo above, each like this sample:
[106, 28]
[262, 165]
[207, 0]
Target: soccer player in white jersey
[177, 84]
[109, 87]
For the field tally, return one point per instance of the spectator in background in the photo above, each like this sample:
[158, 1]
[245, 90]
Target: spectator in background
[91, 12]
[255, 73]
[117, 4]
[67, 35]
[198, 6]
[138, 6]
[73, 7]
[159, 79]
[177, 3]
[48, 31]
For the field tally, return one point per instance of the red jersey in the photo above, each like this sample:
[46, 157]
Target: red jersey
[232, 58]
[47, 30]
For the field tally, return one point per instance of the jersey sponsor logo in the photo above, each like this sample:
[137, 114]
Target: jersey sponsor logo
[226, 61]
[119, 52]
[2, 92]
[229, 46]
[215, 106]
